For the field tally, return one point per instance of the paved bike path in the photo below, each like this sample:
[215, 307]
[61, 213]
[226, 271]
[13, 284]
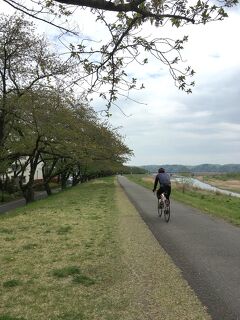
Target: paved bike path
[206, 249]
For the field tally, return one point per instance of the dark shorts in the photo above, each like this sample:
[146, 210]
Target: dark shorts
[166, 189]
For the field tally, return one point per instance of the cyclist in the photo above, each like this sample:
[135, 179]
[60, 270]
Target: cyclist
[164, 181]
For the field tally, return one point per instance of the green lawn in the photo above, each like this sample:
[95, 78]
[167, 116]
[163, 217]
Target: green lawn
[56, 252]
[85, 254]
[219, 205]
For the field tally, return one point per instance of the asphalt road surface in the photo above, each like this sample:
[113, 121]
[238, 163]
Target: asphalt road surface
[206, 249]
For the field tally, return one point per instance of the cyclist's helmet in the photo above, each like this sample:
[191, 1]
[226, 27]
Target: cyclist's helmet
[161, 170]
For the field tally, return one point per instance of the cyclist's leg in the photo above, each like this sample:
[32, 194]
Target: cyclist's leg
[159, 192]
[167, 191]
[160, 202]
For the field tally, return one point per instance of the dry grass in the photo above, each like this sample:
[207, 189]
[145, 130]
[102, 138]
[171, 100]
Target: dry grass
[226, 184]
[232, 185]
[148, 179]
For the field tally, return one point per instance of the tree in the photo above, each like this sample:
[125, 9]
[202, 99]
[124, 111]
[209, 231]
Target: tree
[104, 64]
[65, 137]
[26, 63]
[42, 135]
[41, 121]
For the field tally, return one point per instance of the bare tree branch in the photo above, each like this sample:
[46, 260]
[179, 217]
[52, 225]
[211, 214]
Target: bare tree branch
[34, 15]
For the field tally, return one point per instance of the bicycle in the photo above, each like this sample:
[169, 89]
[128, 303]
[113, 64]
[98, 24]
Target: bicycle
[164, 207]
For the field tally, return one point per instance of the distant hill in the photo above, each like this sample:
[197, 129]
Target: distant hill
[226, 168]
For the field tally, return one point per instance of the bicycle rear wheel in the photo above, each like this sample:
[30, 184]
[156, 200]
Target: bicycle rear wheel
[160, 208]
[167, 213]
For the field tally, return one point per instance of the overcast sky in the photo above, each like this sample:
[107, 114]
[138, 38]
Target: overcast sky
[203, 127]
[172, 127]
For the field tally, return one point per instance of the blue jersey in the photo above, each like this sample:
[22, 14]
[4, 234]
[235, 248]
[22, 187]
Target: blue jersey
[163, 178]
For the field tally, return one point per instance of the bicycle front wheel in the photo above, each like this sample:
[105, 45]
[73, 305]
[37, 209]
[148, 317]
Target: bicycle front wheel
[167, 213]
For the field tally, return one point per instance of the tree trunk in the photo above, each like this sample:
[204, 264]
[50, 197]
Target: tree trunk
[75, 181]
[27, 188]
[1, 132]
[64, 178]
[63, 183]
[28, 193]
[47, 188]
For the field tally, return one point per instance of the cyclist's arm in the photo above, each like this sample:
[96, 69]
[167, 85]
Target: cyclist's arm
[155, 183]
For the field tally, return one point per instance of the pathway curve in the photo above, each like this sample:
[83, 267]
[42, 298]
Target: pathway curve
[206, 249]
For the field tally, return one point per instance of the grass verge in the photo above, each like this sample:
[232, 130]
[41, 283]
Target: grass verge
[86, 254]
[214, 203]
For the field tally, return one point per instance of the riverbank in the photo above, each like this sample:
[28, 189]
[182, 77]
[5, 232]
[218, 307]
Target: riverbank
[85, 254]
[230, 182]
[201, 184]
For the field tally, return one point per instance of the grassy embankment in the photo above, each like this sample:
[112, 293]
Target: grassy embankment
[219, 205]
[85, 254]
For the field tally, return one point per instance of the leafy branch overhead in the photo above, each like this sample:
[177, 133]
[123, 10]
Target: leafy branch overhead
[105, 63]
